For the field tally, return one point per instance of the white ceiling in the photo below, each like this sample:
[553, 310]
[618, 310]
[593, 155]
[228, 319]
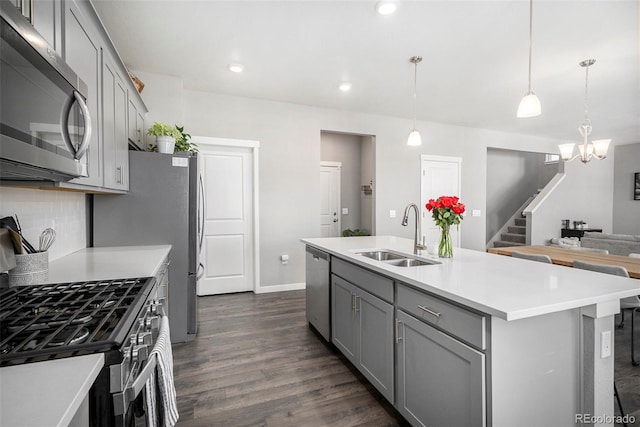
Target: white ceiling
[474, 71]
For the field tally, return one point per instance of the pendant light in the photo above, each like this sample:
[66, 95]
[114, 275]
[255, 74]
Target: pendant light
[414, 137]
[530, 104]
[597, 149]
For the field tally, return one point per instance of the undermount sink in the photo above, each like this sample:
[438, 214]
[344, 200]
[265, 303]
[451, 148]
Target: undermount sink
[382, 255]
[409, 262]
[397, 259]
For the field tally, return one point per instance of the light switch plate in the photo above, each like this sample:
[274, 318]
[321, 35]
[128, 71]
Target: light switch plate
[605, 344]
[475, 212]
[345, 211]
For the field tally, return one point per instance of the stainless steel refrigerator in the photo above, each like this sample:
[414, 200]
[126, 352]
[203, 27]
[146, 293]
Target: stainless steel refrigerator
[164, 206]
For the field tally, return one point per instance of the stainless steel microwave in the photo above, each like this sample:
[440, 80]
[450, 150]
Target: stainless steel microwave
[45, 125]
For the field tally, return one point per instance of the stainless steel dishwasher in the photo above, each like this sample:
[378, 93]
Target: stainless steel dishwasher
[318, 291]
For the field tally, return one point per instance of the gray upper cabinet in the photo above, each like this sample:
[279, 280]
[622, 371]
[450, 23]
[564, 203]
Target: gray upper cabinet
[362, 328]
[114, 125]
[117, 111]
[136, 111]
[82, 53]
[46, 17]
[440, 380]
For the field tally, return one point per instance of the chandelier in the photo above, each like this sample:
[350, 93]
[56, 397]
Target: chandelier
[597, 149]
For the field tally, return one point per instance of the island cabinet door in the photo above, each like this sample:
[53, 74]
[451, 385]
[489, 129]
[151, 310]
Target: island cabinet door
[344, 318]
[376, 342]
[440, 381]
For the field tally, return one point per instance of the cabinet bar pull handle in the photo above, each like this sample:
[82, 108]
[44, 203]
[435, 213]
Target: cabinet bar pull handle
[398, 337]
[355, 306]
[353, 302]
[422, 307]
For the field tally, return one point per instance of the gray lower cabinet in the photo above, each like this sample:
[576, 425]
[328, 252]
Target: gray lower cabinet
[440, 380]
[362, 329]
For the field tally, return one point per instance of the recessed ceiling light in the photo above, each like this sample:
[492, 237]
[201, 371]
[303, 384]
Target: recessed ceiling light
[386, 7]
[345, 87]
[236, 68]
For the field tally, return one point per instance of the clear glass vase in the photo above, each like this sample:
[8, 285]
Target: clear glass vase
[445, 249]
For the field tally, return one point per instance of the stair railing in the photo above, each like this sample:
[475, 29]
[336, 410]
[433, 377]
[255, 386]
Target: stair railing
[536, 205]
[510, 221]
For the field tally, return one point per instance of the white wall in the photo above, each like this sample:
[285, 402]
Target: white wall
[63, 211]
[585, 194]
[289, 135]
[626, 211]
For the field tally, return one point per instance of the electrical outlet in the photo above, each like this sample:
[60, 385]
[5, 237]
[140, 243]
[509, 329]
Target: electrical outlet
[605, 344]
[392, 213]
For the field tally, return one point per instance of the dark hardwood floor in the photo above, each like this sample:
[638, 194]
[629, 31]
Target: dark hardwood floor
[255, 362]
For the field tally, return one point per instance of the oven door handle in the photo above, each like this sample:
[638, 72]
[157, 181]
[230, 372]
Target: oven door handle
[122, 400]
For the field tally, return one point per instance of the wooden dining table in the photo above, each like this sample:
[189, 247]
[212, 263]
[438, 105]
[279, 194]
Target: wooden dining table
[565, 256]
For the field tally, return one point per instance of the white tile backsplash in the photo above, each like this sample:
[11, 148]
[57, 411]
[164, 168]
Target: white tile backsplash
[64, 211]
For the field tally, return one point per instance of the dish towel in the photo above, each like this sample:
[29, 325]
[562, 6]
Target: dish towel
[162, 408]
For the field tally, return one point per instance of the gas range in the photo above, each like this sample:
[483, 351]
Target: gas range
[119, 318]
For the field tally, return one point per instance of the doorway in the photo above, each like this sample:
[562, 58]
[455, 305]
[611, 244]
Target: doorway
[230, 242]
[330, 199]
[440, 176]
[356, 156]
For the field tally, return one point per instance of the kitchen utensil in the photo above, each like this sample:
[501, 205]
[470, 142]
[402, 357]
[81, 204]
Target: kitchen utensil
[47, 237]
[7, 253]
[16, 239]
[10, 223]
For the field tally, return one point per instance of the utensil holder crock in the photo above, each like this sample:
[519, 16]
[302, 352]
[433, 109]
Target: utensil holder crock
[30, 269]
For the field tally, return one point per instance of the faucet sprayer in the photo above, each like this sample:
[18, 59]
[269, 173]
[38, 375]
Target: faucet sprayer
[405, 221]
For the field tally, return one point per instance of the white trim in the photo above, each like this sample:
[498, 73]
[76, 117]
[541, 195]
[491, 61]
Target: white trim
[245, 143]
[281, 288]
[440, 158]
[255, 154]
[331, 164]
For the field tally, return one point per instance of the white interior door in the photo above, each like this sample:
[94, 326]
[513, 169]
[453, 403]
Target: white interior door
[440, 176]
[330, 199]
[227, 250]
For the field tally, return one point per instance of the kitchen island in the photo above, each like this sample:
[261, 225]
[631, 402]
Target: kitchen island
[507, 342]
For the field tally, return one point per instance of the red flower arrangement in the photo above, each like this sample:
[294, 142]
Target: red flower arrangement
[447, 210]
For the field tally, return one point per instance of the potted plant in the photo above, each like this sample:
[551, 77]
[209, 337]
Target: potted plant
[182, 142]
[166, 136]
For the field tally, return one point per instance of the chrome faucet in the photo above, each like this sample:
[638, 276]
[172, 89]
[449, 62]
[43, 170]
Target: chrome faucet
[405, 220]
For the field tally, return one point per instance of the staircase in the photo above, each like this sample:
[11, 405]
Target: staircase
[516, 234]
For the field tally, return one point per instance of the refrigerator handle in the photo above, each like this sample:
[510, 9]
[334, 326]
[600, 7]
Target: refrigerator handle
[200, 271]
[201, 212]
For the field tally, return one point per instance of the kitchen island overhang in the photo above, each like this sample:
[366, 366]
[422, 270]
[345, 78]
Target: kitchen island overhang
[545, 328]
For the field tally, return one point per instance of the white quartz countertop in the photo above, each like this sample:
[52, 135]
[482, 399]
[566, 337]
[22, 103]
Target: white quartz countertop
[115, 262]
[46, 393]
[501, 286]
[49, 393]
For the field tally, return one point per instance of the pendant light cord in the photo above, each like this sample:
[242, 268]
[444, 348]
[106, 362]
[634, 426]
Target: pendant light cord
[415, 82]
[586, 93]
[530, 38]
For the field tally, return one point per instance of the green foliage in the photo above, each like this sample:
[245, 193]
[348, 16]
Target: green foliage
[182, 142]
[163, 129]
[357, 232]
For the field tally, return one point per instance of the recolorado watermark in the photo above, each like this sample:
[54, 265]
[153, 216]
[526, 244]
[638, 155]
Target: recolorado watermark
[604, 419]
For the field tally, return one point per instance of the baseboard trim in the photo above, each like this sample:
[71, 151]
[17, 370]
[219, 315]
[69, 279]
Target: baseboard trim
[280, 288]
